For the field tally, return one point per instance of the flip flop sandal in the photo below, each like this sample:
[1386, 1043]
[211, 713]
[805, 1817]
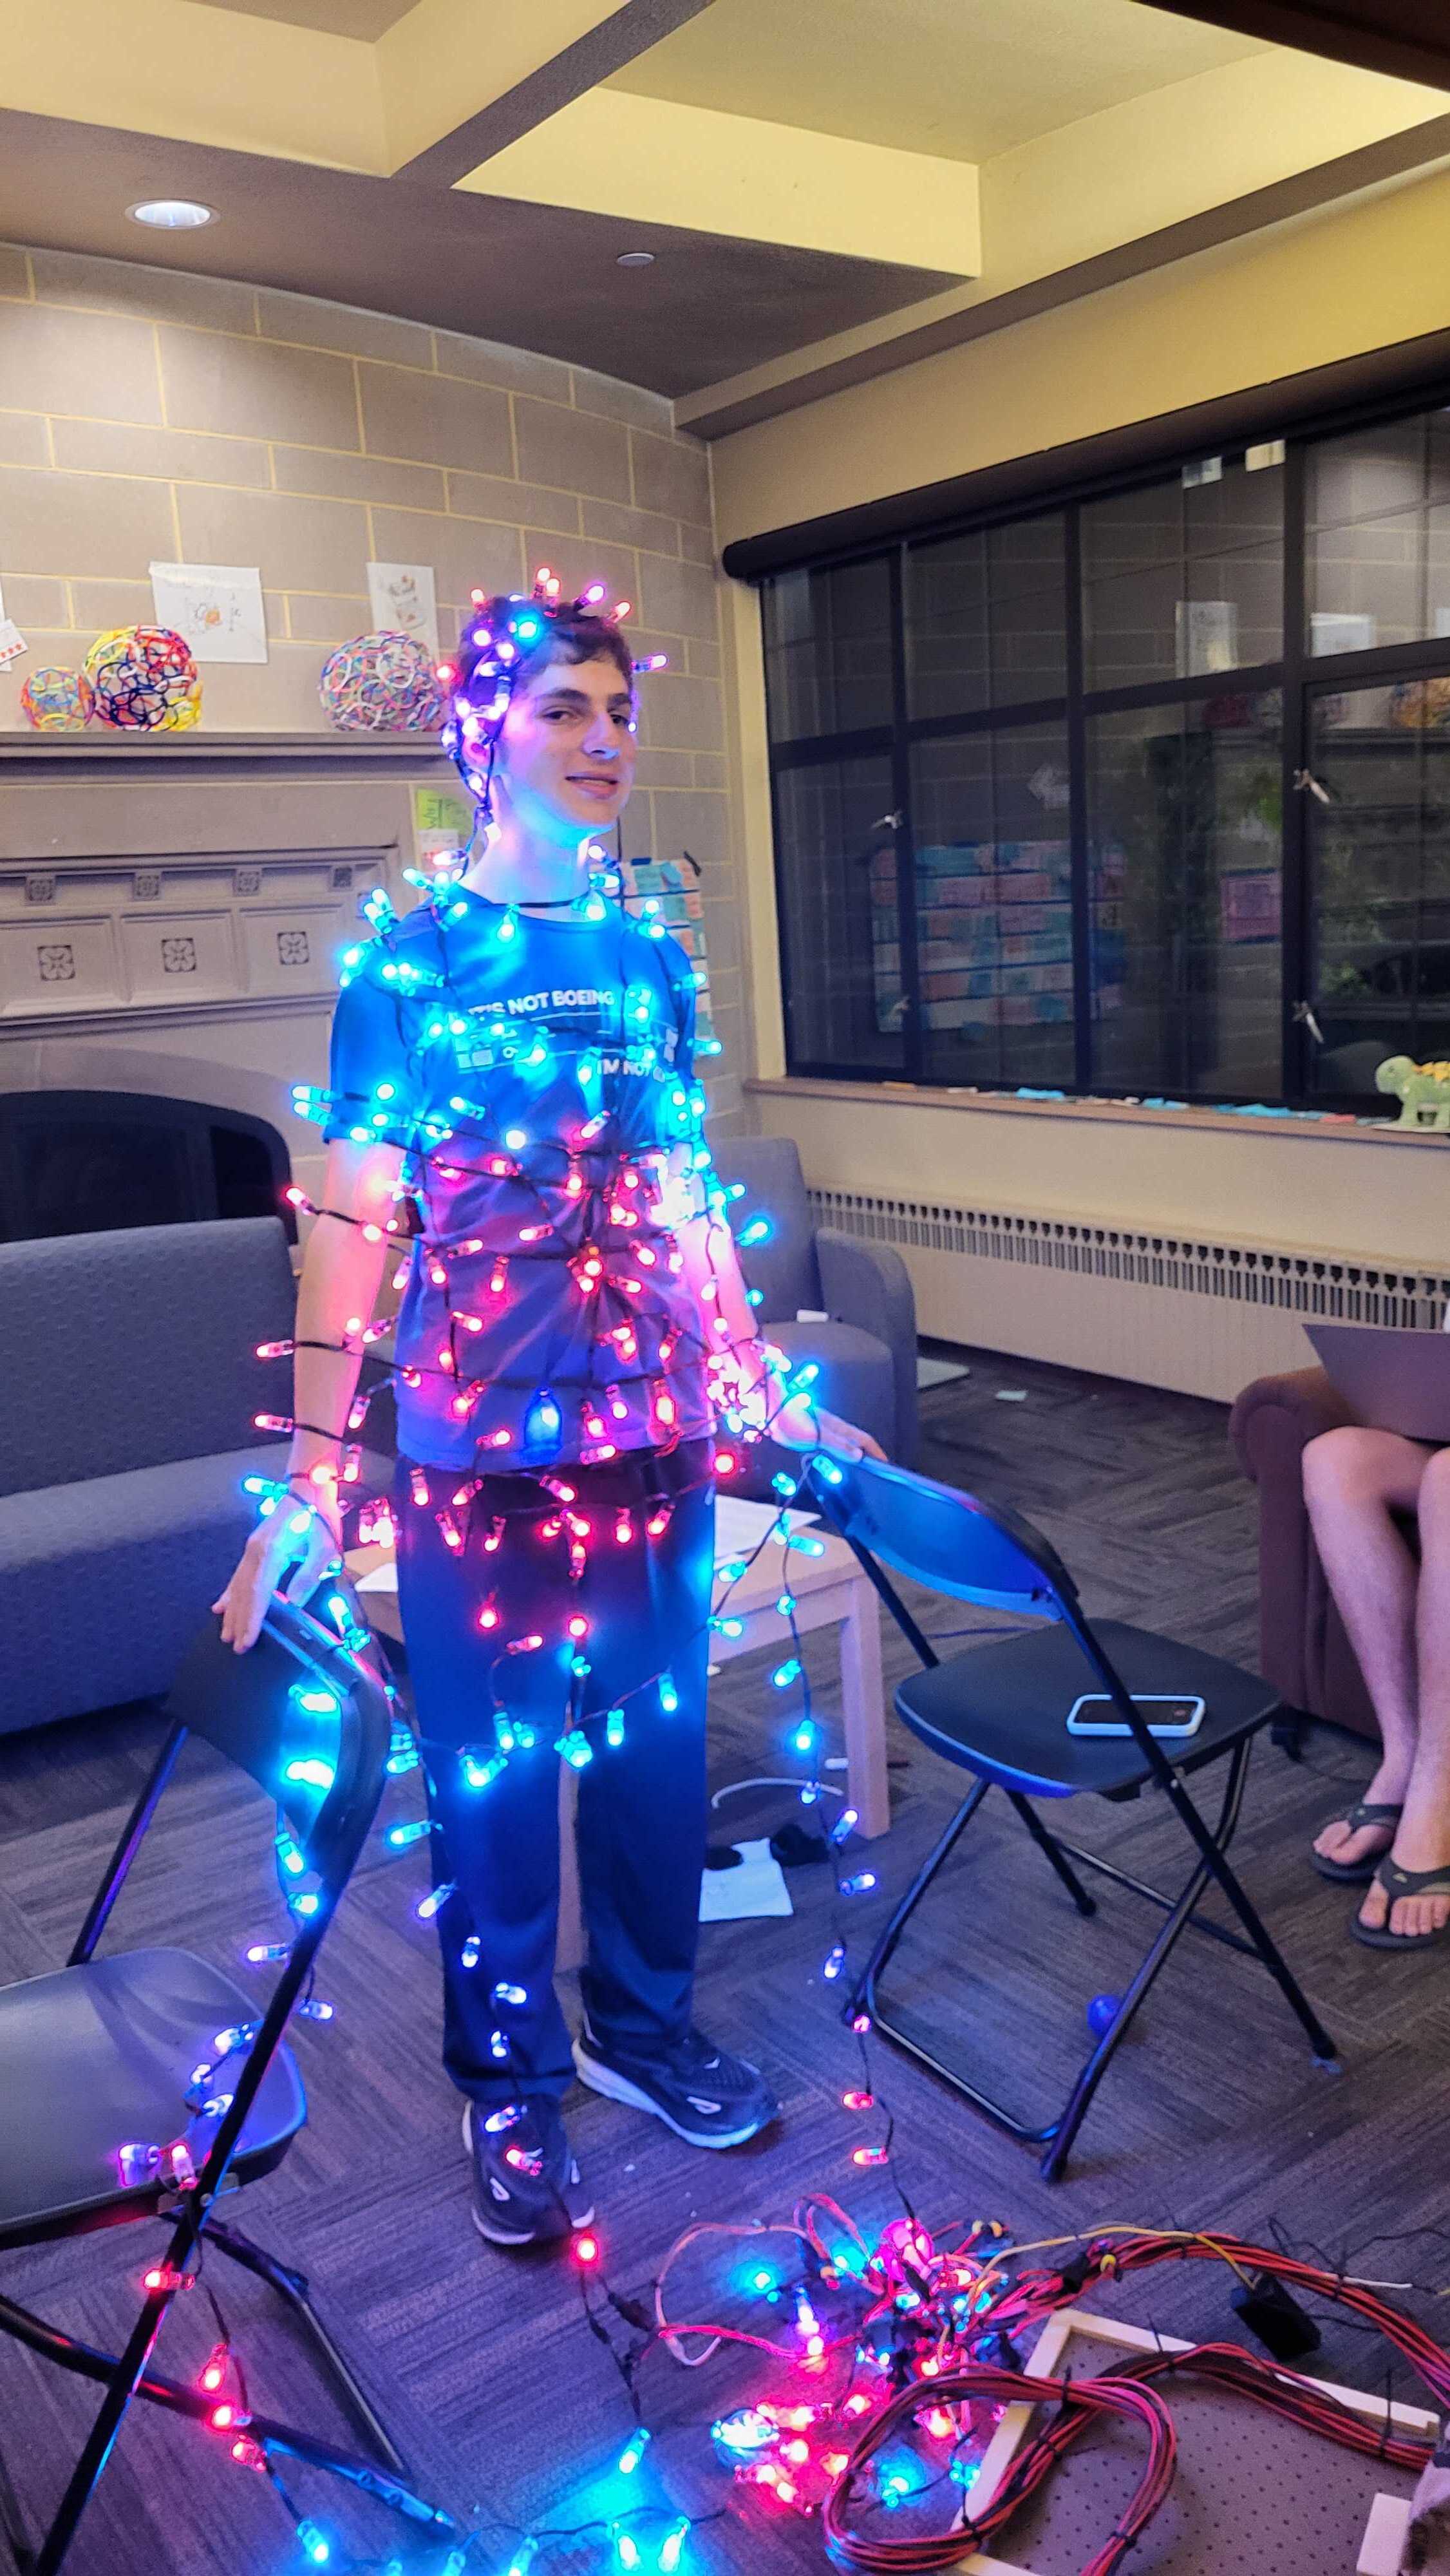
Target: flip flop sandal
[1356, 1873]
[1398, 1882]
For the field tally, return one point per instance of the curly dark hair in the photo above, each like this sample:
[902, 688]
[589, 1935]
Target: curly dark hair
[504, 639]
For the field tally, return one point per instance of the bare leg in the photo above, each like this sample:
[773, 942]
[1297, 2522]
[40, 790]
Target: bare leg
[1423, 1838]
[1353, 1481]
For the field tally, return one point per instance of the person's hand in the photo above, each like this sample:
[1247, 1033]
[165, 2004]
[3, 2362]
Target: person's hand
[799, 1424]
[275, 1544]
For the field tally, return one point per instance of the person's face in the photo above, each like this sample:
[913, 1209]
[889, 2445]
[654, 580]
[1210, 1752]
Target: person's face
[565, 758]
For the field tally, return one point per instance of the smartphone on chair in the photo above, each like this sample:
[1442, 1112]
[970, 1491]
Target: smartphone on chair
[1166, 1714]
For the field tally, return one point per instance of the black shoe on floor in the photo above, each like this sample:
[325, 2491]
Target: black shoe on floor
[526, 2186]
[707, 2097]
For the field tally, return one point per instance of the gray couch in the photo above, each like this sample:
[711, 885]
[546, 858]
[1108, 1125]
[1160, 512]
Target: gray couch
[866, 1349]
[128, 1382]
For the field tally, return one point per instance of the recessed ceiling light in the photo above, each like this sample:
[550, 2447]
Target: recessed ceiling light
[171, 214]
[635, 259]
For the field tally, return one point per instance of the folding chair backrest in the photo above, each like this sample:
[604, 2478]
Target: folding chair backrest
[953, 1542]
[309, 1721]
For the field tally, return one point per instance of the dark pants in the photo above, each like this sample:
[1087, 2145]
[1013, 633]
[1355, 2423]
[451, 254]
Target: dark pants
[642, 1806]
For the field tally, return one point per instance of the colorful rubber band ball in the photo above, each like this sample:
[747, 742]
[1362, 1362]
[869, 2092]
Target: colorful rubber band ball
[55, 700]
[144, 680]
[382, 683]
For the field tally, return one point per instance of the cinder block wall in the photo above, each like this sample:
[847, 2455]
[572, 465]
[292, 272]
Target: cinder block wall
[146, 415]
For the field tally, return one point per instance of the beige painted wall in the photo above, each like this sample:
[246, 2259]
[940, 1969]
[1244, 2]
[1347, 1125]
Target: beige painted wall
[1299, 296]
[149, 415]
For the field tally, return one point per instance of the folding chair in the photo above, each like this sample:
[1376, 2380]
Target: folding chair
[1000, 1711]
[139, 2085]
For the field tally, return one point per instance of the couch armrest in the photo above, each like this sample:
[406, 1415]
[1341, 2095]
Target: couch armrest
[1276, 1418]
[869, 1285]
[1271, 1426]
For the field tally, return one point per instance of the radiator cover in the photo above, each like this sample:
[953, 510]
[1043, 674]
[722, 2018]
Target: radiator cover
[1198, 1313]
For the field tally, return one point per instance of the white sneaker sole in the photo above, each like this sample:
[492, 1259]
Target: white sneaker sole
[618, 2088]
[502, 2235]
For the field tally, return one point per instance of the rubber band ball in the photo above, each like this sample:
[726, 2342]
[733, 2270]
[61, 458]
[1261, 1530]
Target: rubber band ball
[144, 680]
[55, 700]
[382, 683]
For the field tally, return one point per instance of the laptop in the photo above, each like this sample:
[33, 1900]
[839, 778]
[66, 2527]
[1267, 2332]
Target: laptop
[1396, 1380]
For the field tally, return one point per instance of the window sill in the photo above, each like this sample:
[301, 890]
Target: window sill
[1326, 1130]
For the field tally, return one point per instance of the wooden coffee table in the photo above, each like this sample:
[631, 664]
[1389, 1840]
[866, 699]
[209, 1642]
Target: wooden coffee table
[829, 1590]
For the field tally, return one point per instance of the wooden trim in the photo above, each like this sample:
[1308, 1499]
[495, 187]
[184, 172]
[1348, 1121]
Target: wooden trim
[1408, 39]
[238, 755]
[1291, 406]
[1292, 1127]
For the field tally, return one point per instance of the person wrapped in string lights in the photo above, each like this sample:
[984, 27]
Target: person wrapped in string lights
[514, 1061]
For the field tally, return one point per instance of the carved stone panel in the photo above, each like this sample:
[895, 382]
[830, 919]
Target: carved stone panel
[174, 956]
[58, 963]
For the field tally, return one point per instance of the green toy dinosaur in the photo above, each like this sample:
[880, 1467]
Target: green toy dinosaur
[1423, 1091]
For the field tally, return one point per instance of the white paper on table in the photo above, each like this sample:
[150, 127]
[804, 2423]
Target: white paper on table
[740, 1525]
[756, 1887]
[383, 1578]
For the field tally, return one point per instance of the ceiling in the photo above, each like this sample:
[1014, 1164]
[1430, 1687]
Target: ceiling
[1408, 38]
[364, 20]
[963, 78]
[822, 183]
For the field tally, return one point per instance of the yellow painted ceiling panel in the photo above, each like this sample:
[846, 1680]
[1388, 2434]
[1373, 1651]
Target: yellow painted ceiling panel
[652, 161]
[960, 78]
[365, 20]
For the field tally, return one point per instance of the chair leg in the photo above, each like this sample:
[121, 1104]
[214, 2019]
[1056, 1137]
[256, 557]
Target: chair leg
[85, 2476]
[287, 2441]
[862, 1993]
[1078, 2102]
[1052, 1850]
[294, 2289]
[1215, 1857]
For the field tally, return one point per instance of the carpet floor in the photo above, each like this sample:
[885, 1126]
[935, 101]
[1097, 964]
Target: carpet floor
[511, 2412]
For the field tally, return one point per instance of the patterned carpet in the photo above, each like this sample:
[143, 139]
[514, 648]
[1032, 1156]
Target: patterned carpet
[512, 2413]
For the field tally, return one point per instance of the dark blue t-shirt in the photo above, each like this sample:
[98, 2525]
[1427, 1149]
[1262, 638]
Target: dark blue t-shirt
[536, 1072]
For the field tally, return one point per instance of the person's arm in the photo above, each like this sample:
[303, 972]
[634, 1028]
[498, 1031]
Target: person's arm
[350, 1246]
[712, 1267]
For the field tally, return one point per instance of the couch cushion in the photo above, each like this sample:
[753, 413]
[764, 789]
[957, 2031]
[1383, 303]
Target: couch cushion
[103, 1584]
[125, 1349]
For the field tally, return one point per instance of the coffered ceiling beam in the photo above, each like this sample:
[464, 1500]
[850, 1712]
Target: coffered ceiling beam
[511, 65]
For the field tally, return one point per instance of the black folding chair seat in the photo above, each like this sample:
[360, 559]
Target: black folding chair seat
[100, 2057]
[105, 2052]
[1001, 1710]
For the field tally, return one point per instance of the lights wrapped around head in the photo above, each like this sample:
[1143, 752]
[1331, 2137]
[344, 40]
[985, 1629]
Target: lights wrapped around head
[502, 636]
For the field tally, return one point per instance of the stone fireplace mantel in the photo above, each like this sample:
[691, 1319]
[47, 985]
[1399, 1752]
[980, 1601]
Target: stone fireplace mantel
[173, 911]
[118, 756]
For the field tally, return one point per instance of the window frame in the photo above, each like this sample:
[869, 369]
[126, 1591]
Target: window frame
[1297, 675]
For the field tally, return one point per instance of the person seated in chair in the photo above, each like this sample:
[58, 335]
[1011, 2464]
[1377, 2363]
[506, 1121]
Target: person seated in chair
[1358, 1483]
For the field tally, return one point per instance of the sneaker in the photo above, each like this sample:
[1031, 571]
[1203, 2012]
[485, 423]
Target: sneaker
[526, 2186]
[708, 2098]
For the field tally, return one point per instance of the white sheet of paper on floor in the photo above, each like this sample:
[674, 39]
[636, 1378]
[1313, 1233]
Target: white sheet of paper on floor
[756, 1887]
[740, 1525]
[383, 1578]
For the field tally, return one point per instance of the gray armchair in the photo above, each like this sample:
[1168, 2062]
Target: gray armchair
[128, 1383]
[866, 1349]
